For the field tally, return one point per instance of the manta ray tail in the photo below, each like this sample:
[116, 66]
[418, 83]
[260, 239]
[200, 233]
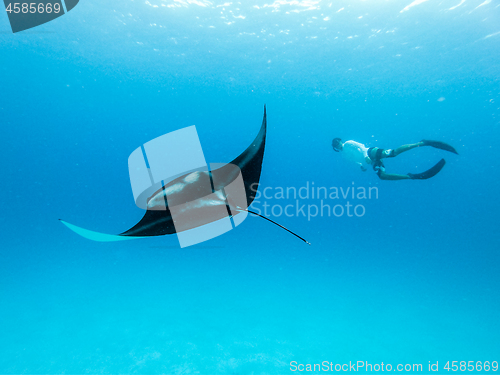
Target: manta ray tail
[279, 225]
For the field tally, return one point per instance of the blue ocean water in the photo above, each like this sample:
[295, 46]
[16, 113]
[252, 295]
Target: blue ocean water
[413, 280]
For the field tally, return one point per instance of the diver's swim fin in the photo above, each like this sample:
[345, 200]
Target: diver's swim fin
[428, 173]
[440, 145]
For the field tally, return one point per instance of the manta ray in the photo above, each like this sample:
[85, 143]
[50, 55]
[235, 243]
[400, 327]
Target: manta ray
[197, 197]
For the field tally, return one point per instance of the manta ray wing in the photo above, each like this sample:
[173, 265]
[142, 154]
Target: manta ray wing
[96, 236]
[158, 222]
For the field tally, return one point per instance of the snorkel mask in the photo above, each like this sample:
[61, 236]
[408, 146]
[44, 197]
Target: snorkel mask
[336, 144]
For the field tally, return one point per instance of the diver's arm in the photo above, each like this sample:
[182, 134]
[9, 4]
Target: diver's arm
[362, 167]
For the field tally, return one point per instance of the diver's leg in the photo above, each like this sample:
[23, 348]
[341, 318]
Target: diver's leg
[404, 148]
[392, 176]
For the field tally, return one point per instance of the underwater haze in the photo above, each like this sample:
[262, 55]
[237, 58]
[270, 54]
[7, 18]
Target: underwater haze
[408, 275]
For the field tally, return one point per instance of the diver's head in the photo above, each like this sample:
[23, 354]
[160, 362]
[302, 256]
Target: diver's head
[337, 144]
